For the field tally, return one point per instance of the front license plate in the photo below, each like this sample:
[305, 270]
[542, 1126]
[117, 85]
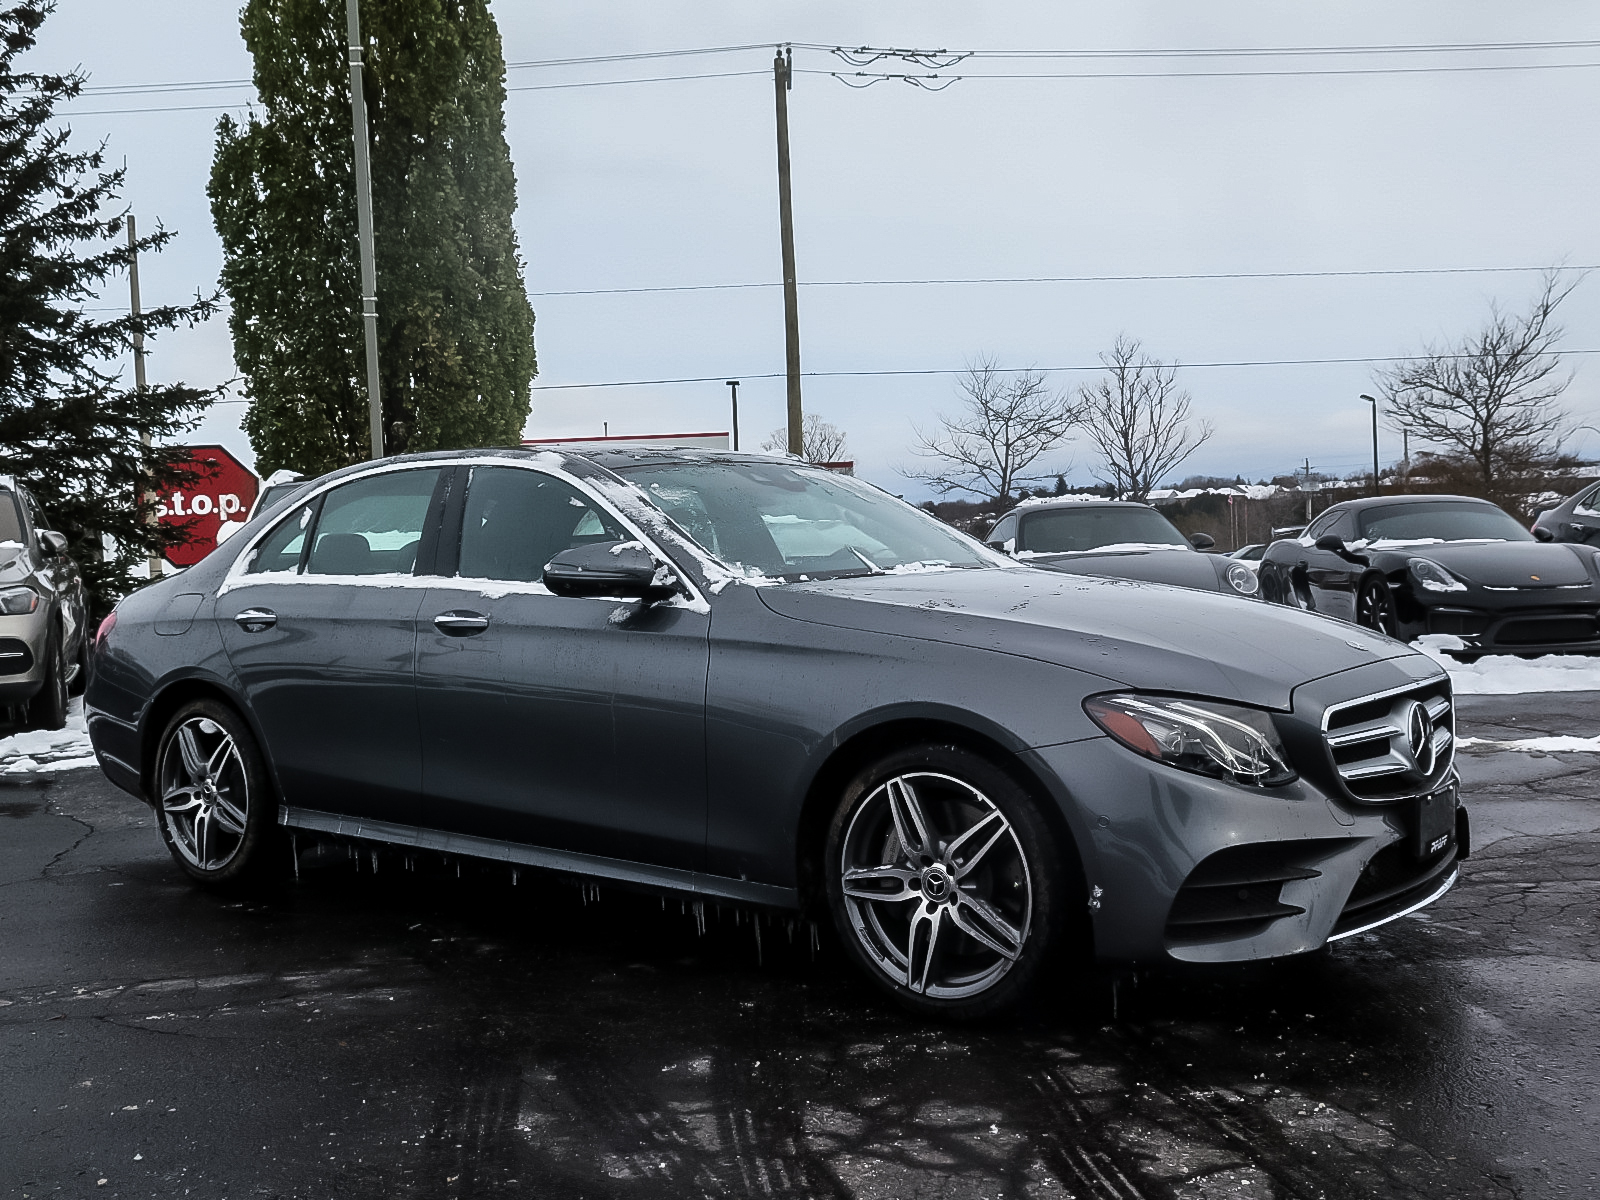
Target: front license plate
[1434, 822]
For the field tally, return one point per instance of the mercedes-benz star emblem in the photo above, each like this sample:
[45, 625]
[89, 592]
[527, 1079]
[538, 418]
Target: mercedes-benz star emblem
[1419, 737]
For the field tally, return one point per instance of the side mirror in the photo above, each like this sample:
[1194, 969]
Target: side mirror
[1202, 541]
[1331, 541]
[52, 543]
[1006, 547]
[610, 570]
[1541, 534]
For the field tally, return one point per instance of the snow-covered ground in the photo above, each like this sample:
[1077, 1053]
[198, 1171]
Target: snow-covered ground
[48, 750]
[1507, 675]
[1547, 745]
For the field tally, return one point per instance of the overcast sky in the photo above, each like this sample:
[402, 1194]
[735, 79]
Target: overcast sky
[1374, 162]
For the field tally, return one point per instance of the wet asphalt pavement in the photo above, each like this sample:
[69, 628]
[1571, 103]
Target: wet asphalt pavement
[412, 1033]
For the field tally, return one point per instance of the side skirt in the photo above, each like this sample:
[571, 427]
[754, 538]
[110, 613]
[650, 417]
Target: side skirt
[638, 874]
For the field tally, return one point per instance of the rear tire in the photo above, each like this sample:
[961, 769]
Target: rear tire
[48, 708]
[212, 798]
[944, 881]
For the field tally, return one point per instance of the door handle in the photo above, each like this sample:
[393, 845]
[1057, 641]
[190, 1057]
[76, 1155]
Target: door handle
[460, 622]
[256, 620]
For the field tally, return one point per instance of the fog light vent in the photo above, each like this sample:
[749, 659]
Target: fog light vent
[1236, 893]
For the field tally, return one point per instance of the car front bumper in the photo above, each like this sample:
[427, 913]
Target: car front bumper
[23, 640]
[1184, 868]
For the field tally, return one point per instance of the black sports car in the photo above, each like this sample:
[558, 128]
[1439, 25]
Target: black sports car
[1413, 565]
[1116, 538]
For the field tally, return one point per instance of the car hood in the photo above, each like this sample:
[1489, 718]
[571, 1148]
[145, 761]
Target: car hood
[1137, 634]
[1184, 568]
[1506, 564]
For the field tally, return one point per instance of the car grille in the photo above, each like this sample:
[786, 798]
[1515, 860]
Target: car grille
[15, 657]
[1392, 744]
[1535, 630]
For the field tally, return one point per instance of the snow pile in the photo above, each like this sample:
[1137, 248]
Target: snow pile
[1549, 745]
[49, 749]
[1506, 675]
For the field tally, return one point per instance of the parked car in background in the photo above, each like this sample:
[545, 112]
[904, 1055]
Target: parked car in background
[746, 678]
[1116, 538]
[1576, 519]
[1413, 565]
[43, 643]
[1250, 555]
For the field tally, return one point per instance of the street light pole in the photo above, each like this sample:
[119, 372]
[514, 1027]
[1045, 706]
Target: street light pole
[733, 386]
[1374, 402]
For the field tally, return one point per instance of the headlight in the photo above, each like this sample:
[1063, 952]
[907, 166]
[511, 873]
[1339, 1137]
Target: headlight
[18, 601]
[1432, 577]
[1243, 579]
[1223, 741]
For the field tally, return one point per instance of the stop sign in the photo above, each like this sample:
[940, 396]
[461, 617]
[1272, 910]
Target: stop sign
[215, 495]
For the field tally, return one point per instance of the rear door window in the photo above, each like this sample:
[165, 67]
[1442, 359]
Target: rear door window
[282, 549]
[373, 526]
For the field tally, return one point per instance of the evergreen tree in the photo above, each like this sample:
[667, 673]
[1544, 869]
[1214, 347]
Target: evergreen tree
[455, 330]
[69, 430]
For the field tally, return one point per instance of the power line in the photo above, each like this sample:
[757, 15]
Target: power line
[1272, 362]
[1025, 279]
[1421, 48]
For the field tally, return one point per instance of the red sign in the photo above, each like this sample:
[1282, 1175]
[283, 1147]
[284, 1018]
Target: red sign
[214, 499]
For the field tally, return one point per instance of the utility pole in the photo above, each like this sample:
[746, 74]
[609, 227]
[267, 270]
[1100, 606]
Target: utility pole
[154, 565]
[369, 270]
[733, 386]
[782, 80]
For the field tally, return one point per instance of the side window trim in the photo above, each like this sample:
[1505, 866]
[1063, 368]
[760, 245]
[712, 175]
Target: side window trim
[433, 548]
[311, 534]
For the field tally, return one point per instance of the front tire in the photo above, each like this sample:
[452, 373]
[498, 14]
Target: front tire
[213, 802]
[48, 708]
[944, 881]
[1375, 608]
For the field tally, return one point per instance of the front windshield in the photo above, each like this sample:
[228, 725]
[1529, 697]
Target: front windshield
[1444, 521]
[786, 520]
[1064, 530]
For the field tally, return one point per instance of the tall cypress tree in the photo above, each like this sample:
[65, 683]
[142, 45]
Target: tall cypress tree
[455, 330]
[69, 428]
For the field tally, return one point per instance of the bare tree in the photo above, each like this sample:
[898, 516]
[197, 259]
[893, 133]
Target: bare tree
[822, 442]
[1490, 400]
[1138, 418]
[1008, 420]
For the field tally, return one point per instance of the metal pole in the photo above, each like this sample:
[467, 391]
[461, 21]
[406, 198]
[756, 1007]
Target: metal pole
[153, 566]
[733, 386]
[1373, 401]
[782, 80]
[369, 270]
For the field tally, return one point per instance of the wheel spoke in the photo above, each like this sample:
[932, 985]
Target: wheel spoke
[917, 980]
[193, 801]
[189, 748]
[1008, 944]
[228, 815]
[202, 838]
[859, 880]
[909, 823]
[1000, 826]
[219, 756]
[1002, 936]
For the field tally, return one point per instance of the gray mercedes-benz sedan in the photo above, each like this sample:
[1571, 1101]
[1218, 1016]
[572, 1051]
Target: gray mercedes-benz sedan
[742, 677]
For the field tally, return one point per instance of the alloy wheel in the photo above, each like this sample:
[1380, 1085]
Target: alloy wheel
[205, 794]
[1375, 610]
[936, 885]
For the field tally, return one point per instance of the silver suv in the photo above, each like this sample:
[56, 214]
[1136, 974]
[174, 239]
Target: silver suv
[43, 647]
